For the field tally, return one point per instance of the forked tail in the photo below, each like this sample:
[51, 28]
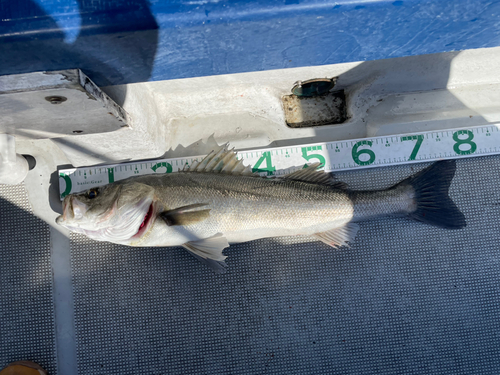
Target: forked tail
[434, 205]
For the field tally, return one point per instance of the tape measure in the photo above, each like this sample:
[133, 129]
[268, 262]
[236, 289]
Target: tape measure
[333, 156]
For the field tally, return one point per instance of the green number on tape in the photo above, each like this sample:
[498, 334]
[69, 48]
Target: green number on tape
[356, 154]
[69, 185]
[466, 141]
[419, 139]
[164, 164]
[111, 175]
[320, 157]
[269, 169]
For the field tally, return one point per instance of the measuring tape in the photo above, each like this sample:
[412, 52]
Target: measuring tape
[333, 156]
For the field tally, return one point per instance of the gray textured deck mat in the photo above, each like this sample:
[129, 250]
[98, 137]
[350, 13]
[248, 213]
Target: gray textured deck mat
[26, 303]
[406, 298]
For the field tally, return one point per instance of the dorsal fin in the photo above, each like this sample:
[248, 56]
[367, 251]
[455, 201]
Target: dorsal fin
[312, 175]
[221, 161]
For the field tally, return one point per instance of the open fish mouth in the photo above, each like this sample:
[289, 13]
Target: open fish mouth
[145, 223]
[131, 221]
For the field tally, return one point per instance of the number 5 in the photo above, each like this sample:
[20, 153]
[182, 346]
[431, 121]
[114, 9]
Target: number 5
[320, 157]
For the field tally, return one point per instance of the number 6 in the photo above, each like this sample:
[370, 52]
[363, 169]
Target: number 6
[356, 153]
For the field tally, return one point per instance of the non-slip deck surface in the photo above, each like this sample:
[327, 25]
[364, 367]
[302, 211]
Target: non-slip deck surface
[26, 300]
[405, 298]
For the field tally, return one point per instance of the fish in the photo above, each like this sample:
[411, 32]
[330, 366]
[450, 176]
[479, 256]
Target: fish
[219, 201]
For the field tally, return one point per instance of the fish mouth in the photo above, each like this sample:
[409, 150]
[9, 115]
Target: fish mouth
[68, 211]
[145, 223]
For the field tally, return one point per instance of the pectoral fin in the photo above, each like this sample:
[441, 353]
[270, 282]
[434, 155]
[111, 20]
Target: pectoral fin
[340, 236]
[184, 215]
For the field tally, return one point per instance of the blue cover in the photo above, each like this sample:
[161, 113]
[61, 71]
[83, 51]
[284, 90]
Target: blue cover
[125, 41]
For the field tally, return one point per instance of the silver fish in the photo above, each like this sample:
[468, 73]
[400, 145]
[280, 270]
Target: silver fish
[219, 201]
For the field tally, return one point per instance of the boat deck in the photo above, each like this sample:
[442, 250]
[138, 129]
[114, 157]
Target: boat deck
[405, 298]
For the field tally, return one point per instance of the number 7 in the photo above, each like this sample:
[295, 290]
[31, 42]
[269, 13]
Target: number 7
[419, 138]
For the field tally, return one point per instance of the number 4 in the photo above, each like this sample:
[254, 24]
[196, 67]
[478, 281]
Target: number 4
[269, 169]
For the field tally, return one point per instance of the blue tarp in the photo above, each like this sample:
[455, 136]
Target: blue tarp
[116, 42]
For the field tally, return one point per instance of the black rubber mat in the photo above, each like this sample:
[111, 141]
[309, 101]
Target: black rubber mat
[406, 298]
[27, 330]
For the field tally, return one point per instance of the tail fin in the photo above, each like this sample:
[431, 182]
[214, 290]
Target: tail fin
[434, 205]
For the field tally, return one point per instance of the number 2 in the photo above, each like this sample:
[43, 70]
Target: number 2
[166, 165]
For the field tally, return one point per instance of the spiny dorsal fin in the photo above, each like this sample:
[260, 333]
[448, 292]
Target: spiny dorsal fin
[312, 175]
[221, 161]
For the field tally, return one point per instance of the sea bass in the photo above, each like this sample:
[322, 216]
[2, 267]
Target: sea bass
[219, 201]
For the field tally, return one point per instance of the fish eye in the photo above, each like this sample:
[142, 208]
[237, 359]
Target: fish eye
[92, 193]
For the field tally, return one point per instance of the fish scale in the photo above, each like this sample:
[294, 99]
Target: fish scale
[261, 202]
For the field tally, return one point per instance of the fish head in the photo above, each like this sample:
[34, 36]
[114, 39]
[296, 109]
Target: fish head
[119, 212]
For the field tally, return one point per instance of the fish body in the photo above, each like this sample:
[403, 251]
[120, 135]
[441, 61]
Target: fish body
[218, 201]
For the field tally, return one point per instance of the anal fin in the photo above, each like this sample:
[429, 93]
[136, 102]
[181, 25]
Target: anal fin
[340, 236]
[209, 251]
[214, 265]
